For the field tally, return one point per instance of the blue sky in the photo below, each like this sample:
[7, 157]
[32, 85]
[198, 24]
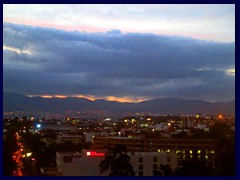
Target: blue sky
[120, 52]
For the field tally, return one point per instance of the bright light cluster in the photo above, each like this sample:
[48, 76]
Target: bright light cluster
[94, 153]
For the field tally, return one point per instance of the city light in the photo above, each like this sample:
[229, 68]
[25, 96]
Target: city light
[39, 125]
[220, 116]
[134, 121]
[29, 154]
[94, 153]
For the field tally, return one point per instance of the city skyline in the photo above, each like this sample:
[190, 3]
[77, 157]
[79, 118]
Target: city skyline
[120, 52]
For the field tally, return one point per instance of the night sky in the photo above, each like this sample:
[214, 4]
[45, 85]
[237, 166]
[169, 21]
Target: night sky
[120, 52]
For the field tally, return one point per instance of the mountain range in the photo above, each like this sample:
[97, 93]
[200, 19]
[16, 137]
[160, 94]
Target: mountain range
[18, 102]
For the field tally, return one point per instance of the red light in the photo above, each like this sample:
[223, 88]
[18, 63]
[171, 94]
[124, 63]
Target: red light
[94, 153]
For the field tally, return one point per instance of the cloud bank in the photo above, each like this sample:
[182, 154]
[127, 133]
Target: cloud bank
[45, 61]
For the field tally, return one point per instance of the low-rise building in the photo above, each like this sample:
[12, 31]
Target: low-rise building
[186, 149]
[87, 162]
[144, 163]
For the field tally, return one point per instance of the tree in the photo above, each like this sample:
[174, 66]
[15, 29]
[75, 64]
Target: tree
[225, 162]
[118, 162]
[219, 130]
[199, 134]
[9, 147]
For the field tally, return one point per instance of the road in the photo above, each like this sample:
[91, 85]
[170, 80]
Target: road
[20, 156]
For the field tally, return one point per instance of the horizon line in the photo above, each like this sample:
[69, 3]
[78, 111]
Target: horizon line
[123, 99]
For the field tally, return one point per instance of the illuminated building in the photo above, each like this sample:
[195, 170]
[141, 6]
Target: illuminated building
[144, 163]
[87, 162]
[186, 149]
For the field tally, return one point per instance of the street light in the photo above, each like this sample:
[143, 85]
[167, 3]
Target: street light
[29, 154]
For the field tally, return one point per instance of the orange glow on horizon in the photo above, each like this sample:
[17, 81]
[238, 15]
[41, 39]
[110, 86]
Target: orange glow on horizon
[60, 96]
[93, 98]
[122, 99]
[54, 96]
[45, 96]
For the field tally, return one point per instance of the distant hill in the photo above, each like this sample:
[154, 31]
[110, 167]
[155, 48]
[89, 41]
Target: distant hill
[13, 102]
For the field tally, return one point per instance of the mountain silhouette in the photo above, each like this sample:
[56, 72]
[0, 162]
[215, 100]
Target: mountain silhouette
[17, 102]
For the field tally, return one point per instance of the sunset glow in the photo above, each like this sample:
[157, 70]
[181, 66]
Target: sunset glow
[93, 98]
[123, 99]
[164, 19]
[120, 52]
[119, 89]
[49, 96]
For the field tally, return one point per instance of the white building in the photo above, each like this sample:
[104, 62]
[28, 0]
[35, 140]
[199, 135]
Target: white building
[144, 163]
[79, 164]
[87, 162]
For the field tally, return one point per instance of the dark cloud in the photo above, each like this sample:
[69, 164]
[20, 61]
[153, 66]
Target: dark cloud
[116, 64]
